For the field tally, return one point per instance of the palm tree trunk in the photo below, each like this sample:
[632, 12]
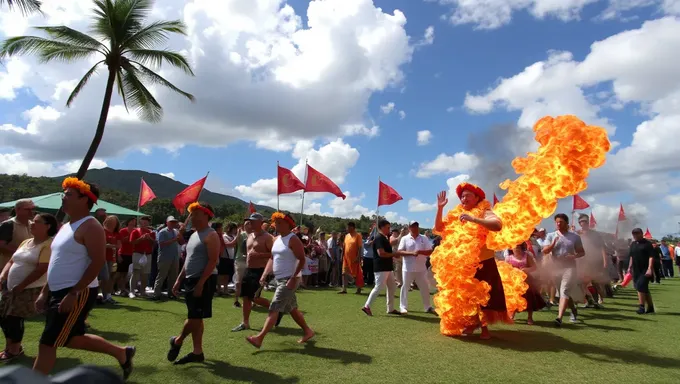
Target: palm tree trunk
[99, 134]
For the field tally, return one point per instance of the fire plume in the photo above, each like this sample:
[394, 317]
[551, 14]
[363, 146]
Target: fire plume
[568, 150]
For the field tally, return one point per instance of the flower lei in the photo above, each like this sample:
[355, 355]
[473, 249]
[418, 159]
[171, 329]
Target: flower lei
[81, 186]
[195, 206]
[283, 216]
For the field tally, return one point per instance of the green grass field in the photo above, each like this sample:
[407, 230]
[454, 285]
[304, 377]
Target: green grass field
[611, 345]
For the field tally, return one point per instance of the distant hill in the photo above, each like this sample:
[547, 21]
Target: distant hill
[128, 181]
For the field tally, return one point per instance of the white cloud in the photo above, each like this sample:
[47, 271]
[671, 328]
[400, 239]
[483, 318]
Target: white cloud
[428, 37]
[260, 73]
[387, 108]
[424, 137]
[450, 109]
[445, 164]
[350, 207]
[492, 14]
[16, 164]
[415, 205]
[169, 175]
[394, 217]
[402, 115]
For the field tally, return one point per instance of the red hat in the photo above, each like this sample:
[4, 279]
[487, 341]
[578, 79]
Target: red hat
[470, 187]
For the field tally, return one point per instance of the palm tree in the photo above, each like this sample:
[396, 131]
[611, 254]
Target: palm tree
[125, 44]
[25, 6]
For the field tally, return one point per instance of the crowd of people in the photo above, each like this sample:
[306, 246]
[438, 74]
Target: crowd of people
[62, 270]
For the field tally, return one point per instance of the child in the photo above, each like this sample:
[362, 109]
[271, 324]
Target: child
[520, 258]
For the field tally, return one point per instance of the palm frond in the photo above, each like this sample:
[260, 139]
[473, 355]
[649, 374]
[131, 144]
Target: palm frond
[156, 58]
[121, 89]
[82, 83]
[71, 36]
[45, 49]
[154, 78]
[26, 7]
[154, 34]
[139, 98]
[103, 25]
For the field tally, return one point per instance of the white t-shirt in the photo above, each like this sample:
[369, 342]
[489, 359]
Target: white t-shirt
[25, 260]
[229, 250]
[409, 244]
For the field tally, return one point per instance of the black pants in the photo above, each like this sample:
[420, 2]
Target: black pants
[13, 328]
[369, 276]
[667, 266]
[658, 272]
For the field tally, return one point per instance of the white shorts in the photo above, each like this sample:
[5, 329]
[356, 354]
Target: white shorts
[240, 267]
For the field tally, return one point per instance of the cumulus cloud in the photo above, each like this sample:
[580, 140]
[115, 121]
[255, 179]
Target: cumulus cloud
[169, 175]
[415, 205]
[387, 108]
[17, 164]
[424, 137]
[447, 164]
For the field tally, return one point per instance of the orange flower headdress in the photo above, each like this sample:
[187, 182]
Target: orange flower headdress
[198, 206]
[283, 216]
[81, 186]
[472, 188]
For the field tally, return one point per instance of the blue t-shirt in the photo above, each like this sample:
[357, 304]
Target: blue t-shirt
[665, 252]
[169, 252]
[566, 244]
[368, 250]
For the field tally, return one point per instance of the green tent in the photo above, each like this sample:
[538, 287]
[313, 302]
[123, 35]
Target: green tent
[52, 202]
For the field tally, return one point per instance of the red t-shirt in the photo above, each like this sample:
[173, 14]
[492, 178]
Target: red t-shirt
[126, 248]
[144, 246]
[111, 238]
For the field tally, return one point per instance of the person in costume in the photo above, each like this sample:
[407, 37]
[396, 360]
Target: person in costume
[475, 214]
[521, 259]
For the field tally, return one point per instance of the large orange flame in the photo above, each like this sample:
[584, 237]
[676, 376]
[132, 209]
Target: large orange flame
[568, 150]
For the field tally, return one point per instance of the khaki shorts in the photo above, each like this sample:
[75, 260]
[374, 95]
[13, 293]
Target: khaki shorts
[239, 270]
[284, 299]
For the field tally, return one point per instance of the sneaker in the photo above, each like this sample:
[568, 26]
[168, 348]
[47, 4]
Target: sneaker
[367, 311]
[131, 295]
[127, 366]
[573, 319]
[431, 311]
[558, 323]
[237, 304]
[650, 310]
[640, 311]
[394, 312]
[240, 327]
[191, 358]
[174, 349]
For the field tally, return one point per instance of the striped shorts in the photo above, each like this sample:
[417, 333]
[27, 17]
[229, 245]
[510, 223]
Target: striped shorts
[61, 327]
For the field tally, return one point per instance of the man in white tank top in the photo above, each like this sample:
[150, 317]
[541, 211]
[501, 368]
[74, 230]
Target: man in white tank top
[78, 254]
[288, 259]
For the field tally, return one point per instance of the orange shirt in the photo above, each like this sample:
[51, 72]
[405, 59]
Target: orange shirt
[352, 246]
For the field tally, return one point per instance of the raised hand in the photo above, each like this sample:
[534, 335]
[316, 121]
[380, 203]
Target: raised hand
[441, 199]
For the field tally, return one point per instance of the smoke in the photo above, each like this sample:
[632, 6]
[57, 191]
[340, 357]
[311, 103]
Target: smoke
[495, 148]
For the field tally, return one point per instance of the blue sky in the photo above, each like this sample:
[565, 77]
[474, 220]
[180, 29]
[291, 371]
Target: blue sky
[435, 76]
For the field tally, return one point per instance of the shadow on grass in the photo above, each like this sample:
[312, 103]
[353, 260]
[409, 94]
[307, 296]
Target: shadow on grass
[430, 319]
[339, 355]
[244, 374]
[119, 337]
[538, 341]
[286, 331]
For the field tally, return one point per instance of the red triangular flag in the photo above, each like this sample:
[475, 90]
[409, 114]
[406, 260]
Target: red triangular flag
[251, 208]
[593, 223]
[318, 182]
[387, 195]
[189, 195]
[622, 214]
[648, 235]
[288, 182]
[495, 199]
[145, 194]
[579, 203]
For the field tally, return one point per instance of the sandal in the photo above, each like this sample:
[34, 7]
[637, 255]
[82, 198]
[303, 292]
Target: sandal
[7, 357]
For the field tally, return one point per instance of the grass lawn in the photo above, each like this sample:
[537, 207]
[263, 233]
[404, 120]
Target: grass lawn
[612, 345]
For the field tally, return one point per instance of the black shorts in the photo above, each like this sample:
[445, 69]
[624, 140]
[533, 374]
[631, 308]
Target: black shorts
[61, 327]
[641, 283]
[124, 265]
[199, 307]
[225, 267]
[250, 286]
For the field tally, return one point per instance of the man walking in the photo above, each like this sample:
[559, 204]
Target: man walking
[288, 259]
[666, 260]
[170, 239]
[414, 267]
[199, 275]
[351, 261]
[641, 266]
[78, 254]
[240, 260]
[258, 253]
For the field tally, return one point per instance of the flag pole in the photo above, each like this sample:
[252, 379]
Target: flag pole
[139, 196]
[202, 188]
[277, 183]
[377, 208]
[302, 208]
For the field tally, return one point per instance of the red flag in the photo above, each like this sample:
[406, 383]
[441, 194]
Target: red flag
[288, 182]
[622, 214]
[251, 208]
[189, 195]
[387, 195]
[495, 199]
[145, 194]
[593, 223]
[648, 235]
[579, 203]
[318, 182]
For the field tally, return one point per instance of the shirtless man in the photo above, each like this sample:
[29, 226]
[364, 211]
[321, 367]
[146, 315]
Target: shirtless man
[259, 251]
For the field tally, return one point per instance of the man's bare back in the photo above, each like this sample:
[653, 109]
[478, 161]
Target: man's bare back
[259, 248]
